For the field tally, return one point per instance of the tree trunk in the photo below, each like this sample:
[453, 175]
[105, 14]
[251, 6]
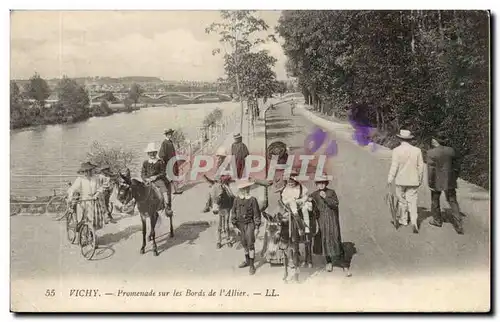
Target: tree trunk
[242, 109]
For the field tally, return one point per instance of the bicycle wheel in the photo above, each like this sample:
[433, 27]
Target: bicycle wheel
[56, 205]
[88, 241]
[71, 223]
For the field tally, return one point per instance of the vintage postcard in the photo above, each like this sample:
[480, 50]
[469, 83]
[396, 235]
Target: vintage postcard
[250, 161]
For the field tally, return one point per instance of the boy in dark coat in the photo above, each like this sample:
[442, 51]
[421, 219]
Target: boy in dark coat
[246, 217]
[326, 206]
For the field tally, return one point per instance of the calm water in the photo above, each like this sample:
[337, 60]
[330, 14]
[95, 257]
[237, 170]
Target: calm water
[59, 149]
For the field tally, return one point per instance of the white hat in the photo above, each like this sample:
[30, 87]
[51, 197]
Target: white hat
[151, 148]
[221, 151]
[244, 183]
[405, 134]
[322, 178]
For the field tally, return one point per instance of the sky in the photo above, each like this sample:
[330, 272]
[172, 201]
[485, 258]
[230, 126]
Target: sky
[171, 45]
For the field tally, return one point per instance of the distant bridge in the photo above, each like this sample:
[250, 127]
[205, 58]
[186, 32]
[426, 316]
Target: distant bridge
[158, 95]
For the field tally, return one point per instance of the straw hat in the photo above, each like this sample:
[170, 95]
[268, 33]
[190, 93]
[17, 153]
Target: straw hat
[221, 151]
[244, 184]
[104, 168]
[322, 178]
[86, 166]
[237, 136]
[405, 134]
[151, 148]
[168, 131]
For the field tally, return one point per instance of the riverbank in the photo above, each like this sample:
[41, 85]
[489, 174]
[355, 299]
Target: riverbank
[95, 111]
[28, 204]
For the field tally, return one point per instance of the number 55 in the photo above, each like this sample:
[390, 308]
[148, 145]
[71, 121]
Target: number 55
[50, 293]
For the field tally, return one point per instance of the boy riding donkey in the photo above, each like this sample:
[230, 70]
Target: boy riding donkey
[153, 171]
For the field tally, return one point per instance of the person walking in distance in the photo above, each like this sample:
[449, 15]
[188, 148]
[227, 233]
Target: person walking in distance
[407, 170]
[443, 169]
[167, 153]
[246, 217]
[239, 151]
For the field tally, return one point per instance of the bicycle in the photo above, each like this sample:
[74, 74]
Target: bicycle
[58, 205]
[84, 229]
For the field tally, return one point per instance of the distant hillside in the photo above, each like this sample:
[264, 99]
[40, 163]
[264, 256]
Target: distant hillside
[104, 80]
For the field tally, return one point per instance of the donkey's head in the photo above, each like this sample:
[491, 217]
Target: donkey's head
[274, 225]
[130, 188]
[222, 197]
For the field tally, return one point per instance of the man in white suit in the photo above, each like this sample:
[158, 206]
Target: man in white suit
[407, 171]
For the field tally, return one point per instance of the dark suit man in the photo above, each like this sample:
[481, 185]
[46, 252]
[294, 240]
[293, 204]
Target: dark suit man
[239, 151]
[167, 152]
[443, 170]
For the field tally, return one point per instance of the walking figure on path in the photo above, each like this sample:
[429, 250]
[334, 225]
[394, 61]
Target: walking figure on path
[407, 171]
[443, 169]
[239, 151]
[246, 217]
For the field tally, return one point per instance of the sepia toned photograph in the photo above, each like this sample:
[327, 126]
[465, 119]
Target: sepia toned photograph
[250, 161]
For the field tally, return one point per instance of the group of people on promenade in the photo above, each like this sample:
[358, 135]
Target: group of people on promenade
[407, 170]
[318, 211]
[95, 182]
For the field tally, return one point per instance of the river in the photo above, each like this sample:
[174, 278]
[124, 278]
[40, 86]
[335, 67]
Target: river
[39, 155]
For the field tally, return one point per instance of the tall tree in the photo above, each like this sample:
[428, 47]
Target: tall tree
[73, 105]
[238, 33]
[135, 93]
[38, 89]
[422, 70]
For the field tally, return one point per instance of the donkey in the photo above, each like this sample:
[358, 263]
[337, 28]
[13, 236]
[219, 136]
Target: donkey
[149, 203]
[283, 233]
[222, 199]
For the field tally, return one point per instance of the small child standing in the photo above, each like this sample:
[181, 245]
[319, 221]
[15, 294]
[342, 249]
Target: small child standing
[246, 217]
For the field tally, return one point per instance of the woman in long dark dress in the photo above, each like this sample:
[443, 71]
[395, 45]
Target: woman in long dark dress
[329, 241]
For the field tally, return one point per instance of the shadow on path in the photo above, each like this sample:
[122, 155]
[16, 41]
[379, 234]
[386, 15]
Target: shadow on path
[186, 232]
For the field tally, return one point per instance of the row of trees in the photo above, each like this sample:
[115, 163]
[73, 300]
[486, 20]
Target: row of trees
[249, 71]
[426, 71]
[28, 106]
[72, 104]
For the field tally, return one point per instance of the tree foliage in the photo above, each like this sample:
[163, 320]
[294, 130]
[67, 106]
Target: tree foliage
[426, 71]
[135, 92]
[117, 158]
[110, 97]
[37, 89]
[72, 105]
[241, 31]
[257, 78]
